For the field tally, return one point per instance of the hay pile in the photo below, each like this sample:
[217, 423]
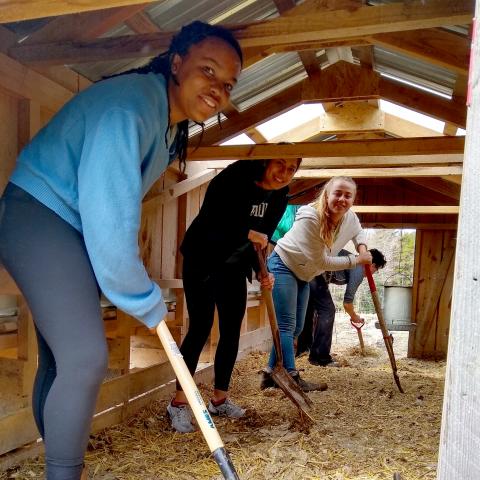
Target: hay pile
[365, 429]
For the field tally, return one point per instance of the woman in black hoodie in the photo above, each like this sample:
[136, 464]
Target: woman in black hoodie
[242, 206]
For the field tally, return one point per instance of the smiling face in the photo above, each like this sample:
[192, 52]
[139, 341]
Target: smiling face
[340, 197]
[204, 77]
[278, 173]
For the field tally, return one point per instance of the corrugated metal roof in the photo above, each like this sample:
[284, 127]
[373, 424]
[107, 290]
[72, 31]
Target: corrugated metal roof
[266, 77]
[170, 15]
[272, 74]
[415, 71]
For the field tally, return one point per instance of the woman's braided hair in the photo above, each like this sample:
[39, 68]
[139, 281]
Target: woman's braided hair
[180, 44]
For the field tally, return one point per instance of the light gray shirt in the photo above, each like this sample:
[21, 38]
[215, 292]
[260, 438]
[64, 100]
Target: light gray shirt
[305, 253]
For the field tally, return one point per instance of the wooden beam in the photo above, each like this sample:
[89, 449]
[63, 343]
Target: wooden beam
[438, 185]
[340, 148]
[410, 209]
[25, 83]
[169, 282]
[352, 117]
[142, 23]
[410, 225]
[384, 161]
[308, 58]
[18, 10]
[311, 6]
[330, 26]
[457, 180]
[254, 54]
[83, 26]
[60, 75]
[367, 20]
[437, 160]
[178, 189]
[423, 195]
[379, 172]
[256, 136]
[97, 50]
[400, 127]
[342, 82]
[439, 47]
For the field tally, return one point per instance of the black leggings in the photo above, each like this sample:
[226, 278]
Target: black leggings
[48, 261]
[228, 291]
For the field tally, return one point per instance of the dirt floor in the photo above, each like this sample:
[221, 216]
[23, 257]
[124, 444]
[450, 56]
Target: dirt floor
[364, 430]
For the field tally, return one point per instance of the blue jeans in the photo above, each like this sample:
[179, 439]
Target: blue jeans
[290, 297]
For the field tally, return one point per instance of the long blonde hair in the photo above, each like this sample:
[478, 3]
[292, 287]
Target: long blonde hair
[327, 225]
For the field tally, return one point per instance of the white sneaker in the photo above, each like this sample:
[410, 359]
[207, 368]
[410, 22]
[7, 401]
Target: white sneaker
[181, 418]
[226, 409]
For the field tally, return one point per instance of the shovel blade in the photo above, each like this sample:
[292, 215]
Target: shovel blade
[284, 381]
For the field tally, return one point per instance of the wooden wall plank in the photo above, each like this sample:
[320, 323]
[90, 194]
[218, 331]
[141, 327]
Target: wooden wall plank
[8, 136]
[26, 83]
[432, 296]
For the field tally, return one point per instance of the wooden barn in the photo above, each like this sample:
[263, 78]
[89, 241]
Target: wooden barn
[353, 59]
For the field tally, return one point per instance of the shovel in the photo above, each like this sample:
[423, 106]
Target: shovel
[197, 404]
[279, 375]
[387, 337]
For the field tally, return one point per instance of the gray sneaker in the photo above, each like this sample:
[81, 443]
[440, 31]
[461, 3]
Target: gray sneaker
[226, 409]
[181, 418]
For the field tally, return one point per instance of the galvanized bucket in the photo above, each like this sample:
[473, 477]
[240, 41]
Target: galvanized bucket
[397, 303]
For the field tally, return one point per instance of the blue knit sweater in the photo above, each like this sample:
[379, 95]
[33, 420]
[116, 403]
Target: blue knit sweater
[92, 164]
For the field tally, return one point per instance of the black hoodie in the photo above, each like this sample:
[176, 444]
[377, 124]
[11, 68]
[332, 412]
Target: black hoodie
[233, 205]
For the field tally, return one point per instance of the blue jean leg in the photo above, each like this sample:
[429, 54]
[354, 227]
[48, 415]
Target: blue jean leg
[290, 298]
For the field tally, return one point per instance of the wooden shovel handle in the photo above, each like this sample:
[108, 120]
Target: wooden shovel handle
[272, 316]
[194, 397]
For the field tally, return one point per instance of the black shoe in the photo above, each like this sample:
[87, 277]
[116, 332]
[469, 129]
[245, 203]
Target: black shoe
[317, 363]
[267, 381]
[307, 386]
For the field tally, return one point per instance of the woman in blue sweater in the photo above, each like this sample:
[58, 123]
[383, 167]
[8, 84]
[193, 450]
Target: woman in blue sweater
[70, 216]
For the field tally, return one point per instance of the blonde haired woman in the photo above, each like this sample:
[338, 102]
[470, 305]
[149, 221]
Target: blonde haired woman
[309, 248]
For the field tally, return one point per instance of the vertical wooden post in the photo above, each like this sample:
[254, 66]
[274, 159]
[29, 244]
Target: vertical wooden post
[181, 307]
[460, 433]
[27, 349]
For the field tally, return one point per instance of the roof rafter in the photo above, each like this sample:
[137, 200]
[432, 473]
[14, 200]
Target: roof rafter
[438, 185]
[327, 26]
[83, 26]
[436, 46]
[15, 11]
[354, 83]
